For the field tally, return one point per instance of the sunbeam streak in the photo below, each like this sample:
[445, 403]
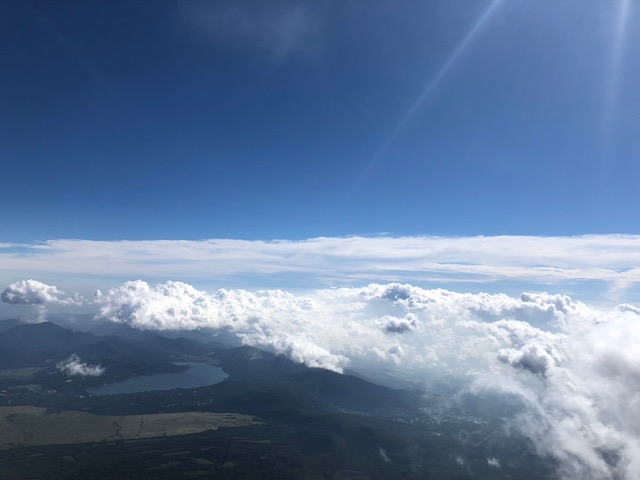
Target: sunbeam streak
[615, 72]
[430, 87]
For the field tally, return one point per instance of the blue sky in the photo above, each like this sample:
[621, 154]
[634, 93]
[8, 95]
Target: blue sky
[471, 145]
[193, 120]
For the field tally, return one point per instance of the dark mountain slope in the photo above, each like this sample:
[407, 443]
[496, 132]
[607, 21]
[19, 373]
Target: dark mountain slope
[7, 324]
[44, 337]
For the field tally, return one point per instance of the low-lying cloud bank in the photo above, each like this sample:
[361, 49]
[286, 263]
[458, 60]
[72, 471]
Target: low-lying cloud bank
[575, 368]
[599, 264]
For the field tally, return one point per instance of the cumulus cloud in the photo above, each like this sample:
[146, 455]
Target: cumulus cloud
[347, 324]
[391, 324]
[73, 366]
[37, 294]
[580, 410]
[253, 317]
[573, 367]
[32, 292]
[535, 358]
[170, 306]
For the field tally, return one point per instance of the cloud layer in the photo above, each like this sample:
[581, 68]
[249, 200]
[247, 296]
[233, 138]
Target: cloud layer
[573, 367]
[599, 267]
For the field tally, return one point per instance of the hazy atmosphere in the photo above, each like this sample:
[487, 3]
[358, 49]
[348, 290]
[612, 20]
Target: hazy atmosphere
[440, 194]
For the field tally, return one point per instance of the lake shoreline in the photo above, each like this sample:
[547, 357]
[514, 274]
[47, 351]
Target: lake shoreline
[195, 375]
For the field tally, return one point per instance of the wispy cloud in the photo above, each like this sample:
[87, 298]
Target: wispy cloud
[278, 30]
[549, 263]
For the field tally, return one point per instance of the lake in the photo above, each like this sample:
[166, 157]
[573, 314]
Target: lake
[197, 375]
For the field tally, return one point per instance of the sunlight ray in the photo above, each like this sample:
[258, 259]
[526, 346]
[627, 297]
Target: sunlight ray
[615, 72]
[431, 85]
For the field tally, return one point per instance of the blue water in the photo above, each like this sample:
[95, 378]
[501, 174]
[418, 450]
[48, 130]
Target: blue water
[197, 375]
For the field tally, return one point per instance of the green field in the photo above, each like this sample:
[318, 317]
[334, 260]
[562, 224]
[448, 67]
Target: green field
[18, 373]
[37, 426]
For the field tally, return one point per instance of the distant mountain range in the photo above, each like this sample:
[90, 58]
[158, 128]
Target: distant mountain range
[46, 344]
[254, 374]
[315, 420]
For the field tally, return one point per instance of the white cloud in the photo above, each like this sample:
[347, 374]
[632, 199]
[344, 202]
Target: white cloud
[581, 408]
[32, 292]
[534, 357]
[73, 366]
[574, 367]
[391, 324]
[38, 295]
[598, 266]
[170, 306]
